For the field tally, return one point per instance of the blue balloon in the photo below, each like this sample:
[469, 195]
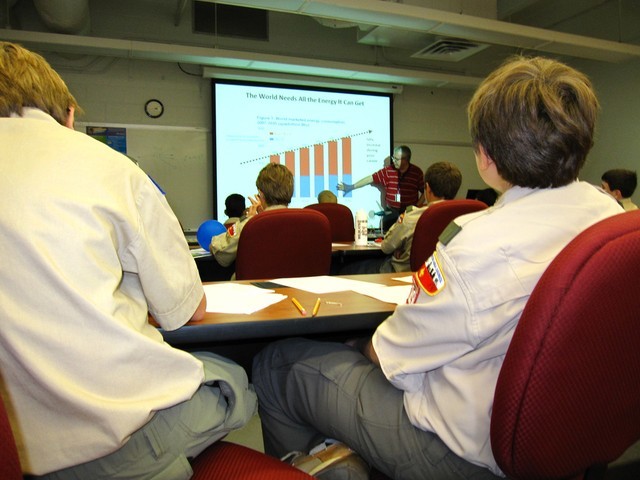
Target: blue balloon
[207, 230]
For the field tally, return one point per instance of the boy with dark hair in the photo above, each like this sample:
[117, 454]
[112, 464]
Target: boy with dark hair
[234, 209]
[620, 184]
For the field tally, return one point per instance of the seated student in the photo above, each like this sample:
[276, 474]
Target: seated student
[234, 209]
[327, 196]
[415, 400]
[275, 189]
[621, 184]
[442, 182]
[92, 390]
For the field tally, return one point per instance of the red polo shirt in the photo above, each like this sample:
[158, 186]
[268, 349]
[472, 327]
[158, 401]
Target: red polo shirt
[410, 185]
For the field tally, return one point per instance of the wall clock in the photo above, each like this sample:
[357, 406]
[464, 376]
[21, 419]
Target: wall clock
[154, 108]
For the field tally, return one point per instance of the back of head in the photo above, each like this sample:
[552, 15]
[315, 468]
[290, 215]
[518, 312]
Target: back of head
[27, 80]
[444, 179]
[327, 196]
[275, 181]
[234, 205]
[535, 118]
[621, 179]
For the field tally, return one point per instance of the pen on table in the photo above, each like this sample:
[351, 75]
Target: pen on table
[333, 303]
[316, 307]
[298, 306]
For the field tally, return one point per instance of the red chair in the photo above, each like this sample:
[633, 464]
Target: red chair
[10, 462]
[285, 242]
[340, 218]
[432, 223]
[567, 399]
[220, 461]
[228, 461]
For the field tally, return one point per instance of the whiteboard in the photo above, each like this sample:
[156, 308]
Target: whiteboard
[179, 160]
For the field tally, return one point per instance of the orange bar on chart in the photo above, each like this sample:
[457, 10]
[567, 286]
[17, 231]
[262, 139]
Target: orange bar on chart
[318, 167]
[290, 161]
[305, 173]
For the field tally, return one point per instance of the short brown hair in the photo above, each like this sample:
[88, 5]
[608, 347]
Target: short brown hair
[275, 181]
[27, 80]
[535, 118]
[444, 179]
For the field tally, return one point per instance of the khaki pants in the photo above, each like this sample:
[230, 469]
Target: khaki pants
[161, 449]
[309, 391]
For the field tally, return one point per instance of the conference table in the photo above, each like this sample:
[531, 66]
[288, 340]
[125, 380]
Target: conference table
[340, 312]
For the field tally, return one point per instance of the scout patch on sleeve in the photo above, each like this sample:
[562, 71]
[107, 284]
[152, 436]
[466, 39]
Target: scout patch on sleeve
[430, 276]
[232, 230]
[449, 232]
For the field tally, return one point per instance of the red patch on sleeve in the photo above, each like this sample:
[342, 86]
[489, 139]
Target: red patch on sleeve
[430, 277]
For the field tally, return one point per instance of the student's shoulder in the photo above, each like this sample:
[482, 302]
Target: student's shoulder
[413, 215]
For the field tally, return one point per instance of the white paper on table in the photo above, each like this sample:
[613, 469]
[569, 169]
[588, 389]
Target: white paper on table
[391, 294]
[327, 284]
[322, 284]
[407, 279]
[239, 298]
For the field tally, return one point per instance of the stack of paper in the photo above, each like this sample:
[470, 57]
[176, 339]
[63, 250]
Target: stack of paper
[239, 298]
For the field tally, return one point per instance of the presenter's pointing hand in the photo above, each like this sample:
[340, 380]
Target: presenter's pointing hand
[344, 187]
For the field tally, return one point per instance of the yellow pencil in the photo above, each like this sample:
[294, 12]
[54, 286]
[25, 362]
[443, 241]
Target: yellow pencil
[298, 306]
[316, 307]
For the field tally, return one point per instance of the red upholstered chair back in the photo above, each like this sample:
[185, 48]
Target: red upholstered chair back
[340, 219]
[286, 242]
[228, 461]
[568, 394]
[9, 460]
[432, 223]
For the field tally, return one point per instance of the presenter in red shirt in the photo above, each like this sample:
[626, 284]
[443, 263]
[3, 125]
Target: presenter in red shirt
[403, 183]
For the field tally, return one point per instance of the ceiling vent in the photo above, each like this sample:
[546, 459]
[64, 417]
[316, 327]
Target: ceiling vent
[449, 50]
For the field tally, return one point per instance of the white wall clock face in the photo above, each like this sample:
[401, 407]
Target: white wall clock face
[154, 108]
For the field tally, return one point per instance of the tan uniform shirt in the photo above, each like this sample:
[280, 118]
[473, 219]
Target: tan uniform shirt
[89, 247]
[399, 238]
[445, 348]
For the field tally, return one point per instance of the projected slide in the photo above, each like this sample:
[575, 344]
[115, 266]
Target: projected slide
[323, 137]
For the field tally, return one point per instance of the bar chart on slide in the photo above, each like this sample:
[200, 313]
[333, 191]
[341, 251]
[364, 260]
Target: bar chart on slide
[319, 166]
[322, 137]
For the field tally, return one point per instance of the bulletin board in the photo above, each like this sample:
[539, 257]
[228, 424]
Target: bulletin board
[179, 160]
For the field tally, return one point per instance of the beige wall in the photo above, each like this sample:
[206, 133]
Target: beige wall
[618, 137]
[430, 121]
